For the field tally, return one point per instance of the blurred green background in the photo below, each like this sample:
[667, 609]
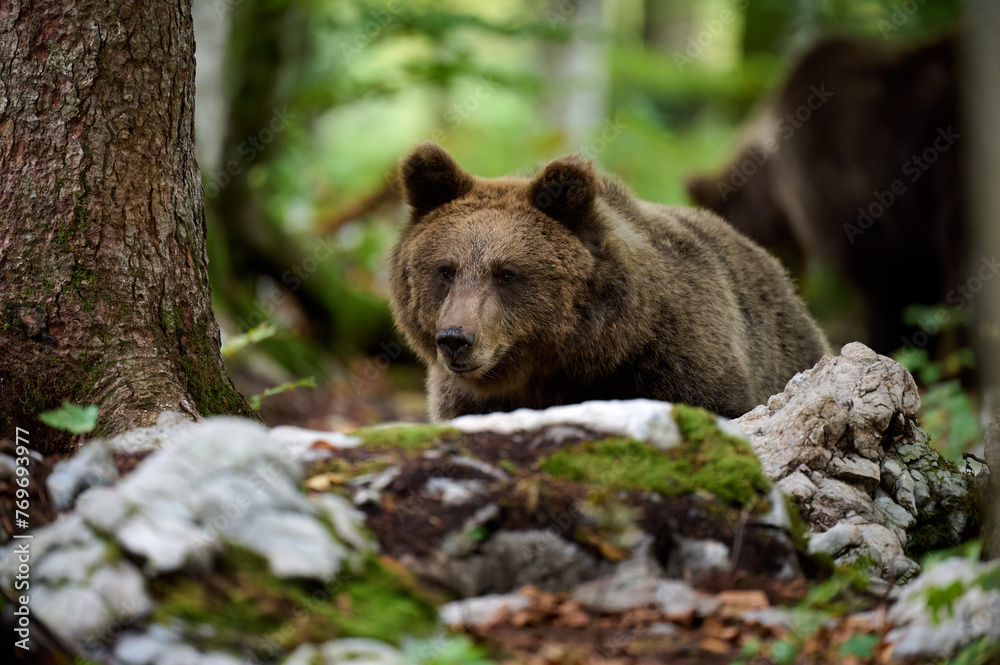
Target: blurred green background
[305, 107]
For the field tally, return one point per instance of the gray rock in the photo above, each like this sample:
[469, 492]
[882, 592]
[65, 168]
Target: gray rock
[8, 468]
[797, 487]
[891, 513]
[511, 559]
[299, 441]
[905, 493]
[70, 564]
[294, 544]
[836, 540]
[835, 500]
[452, 492]
[75, 613]
[921, 491]
[677, 599]
[139, 649]
[461, 542]
[663, 629]
[917, 637]
[845, 430]
[892, 470]
[123, 589]
[227, 500]
[367, 488]
[775, 618]
[481, 609]
[166, 542]
[359, 651]
[304, 654]
[103, 508]
[170, 426]
[699, 561]
[179, 654]
[642, 419]
[621, 591]
[347, 520]
[855, 469]
[91, 466]
[217, 658]
[64, 531]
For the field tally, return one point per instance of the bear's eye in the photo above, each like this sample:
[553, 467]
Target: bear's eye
[447, 274]
[506, 277]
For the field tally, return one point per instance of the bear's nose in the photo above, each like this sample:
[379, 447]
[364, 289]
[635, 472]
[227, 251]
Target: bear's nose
[452, 341]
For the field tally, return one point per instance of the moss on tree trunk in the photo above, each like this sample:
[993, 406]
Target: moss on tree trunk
[105, 296]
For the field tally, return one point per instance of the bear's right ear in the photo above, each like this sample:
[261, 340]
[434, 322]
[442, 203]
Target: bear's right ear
[430, 178]
[566, 189]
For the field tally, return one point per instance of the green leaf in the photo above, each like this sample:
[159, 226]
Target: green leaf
[944, 597]
[308, 382]
[71, 418]
[978, 653]
[253, 336]
[860, 645]
[784, 652]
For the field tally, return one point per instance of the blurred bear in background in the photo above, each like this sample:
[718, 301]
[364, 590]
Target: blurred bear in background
[856, 162]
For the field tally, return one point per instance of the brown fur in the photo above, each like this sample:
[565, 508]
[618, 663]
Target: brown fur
[888, 104]
[573, 289]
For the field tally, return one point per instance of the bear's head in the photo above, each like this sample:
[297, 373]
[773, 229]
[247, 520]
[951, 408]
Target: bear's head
[489, 276]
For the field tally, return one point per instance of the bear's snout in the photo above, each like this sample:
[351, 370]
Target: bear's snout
[454, 343]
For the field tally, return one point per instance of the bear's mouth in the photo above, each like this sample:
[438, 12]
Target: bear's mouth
[462, 369]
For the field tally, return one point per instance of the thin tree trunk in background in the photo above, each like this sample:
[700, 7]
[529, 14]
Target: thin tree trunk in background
[982, 99]
[212, 22]
[105, 295]
[577, 71]
[269, 40]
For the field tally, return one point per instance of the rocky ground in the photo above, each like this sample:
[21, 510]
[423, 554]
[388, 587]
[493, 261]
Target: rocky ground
[606, 532]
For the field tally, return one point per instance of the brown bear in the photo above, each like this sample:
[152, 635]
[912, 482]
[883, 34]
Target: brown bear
[564, 287]
[856, 161]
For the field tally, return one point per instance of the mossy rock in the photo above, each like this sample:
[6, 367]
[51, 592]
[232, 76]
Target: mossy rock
[244, 604]
[708, 460]
[452, 492]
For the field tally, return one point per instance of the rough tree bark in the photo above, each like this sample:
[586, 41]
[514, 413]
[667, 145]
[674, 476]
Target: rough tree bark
[105, 295]
[982, 96]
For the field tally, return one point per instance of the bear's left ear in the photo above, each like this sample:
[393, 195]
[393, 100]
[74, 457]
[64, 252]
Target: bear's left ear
[430, 178]
[566, 189]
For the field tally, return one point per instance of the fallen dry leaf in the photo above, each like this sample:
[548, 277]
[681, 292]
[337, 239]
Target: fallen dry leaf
[749, 599]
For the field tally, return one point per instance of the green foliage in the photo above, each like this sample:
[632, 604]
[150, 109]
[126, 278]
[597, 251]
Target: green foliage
[709, 460]
[245, 604]
[308, 382]
[71, 418]
[859, 645]
[253, 336]
[946, 411]
[412, 437]
[979, 652]
[941, 600]
[450, 650]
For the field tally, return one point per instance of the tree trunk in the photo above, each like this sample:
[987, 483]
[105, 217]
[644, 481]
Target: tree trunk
[105, 296]
[981, 99]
